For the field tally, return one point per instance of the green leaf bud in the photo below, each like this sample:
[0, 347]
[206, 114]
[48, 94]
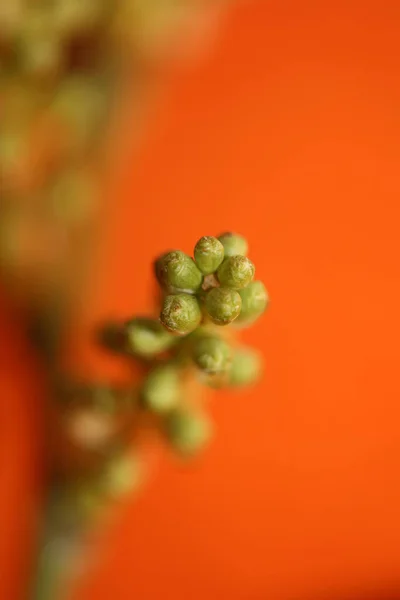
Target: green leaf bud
[176, 271]
[254, 301]
[188, 431]
[246, 367]
[147, 337]
[236, 272]
[233, 244]
[208, 254]
[161, 389]
[212, 354]
[223, 305]
[180, 313]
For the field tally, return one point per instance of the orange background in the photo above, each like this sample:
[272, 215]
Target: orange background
[289, 134]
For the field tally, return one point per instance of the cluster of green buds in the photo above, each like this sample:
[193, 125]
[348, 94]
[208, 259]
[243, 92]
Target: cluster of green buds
[216, 286]
[186, 348]
[188, 344]
[62, 64]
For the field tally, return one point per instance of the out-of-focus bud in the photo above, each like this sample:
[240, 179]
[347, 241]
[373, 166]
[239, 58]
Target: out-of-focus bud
[122, 474]
[147, 337]
[188, 431]
[246, 367]
[254, 302]
[233, 244]
[211, 354]
[161, 390]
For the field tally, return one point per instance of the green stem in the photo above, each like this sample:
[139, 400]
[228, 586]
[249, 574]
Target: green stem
[59, 553]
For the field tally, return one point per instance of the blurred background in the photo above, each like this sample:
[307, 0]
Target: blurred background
[279, 120]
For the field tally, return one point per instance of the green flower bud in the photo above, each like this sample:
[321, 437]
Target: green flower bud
[212, 354]
[254, 301]
[188, 431]
[223, 305]
[161, 389]
[121, 475]
[180, 313]
[147, 337]
[178, 272]
[236, 272]
[208, 254]
[246, 367]
[233, 244]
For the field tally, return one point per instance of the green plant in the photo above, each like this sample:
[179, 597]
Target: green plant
[187, 347]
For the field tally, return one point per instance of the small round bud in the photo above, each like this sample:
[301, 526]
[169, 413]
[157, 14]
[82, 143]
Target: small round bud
[236, 272]
[158, 263]
[147, 337]
[177, 271]
[223, 305]
[180, 313]
[208, 254]
[254, 301]
[233, 244]
[161, 389]
[188, 431]
[121, 474]
[212, 354]
[246, 367]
